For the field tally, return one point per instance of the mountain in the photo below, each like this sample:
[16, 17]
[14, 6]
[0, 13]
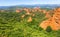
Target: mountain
[31, 6]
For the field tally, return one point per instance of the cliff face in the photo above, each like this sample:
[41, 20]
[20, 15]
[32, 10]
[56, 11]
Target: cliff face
[53, 21]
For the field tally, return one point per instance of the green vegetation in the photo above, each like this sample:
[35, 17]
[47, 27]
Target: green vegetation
[12, 25]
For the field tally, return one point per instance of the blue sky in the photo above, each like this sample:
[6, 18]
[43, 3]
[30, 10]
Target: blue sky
[29, 2]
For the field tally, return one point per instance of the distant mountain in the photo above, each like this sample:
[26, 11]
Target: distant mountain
[31, 6]
[4, 7]
[41, 5]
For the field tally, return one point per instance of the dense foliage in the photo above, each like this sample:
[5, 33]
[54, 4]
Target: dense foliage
[13, 25]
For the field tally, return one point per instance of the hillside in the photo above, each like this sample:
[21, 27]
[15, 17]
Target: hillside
[14, 24]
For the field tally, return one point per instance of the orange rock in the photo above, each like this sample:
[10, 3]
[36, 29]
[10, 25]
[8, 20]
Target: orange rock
[27, 10]
[23, 16]
[47, 15]
[40, 10]
[44, 24]
[28, 13]
[58, 9]
[44, 11]
[18, 10]
[54, 25]
[29, 19]
[50, 23]
[33, 15]
[53, 22]
[33, 10]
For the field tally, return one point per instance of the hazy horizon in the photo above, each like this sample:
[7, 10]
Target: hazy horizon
[27, 2]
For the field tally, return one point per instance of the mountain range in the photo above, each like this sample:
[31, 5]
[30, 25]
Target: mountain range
[31, 6]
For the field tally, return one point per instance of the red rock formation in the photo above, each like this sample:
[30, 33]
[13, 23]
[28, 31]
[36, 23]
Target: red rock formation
[18, 10]
[29, 19]
[23, 16]
[53, 22]
[27, 10]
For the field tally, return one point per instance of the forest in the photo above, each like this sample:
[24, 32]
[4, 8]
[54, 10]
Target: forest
[25, 24]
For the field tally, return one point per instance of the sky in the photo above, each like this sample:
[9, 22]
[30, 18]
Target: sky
[27, 2]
